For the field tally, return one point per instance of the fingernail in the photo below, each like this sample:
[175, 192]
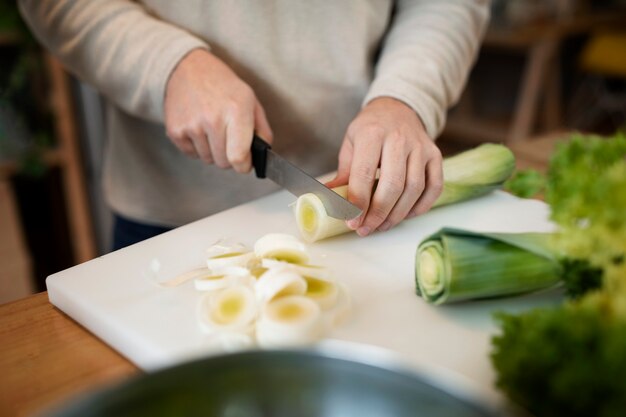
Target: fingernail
[385, 226]
[363, 231]
[353, 224]
[411, 215]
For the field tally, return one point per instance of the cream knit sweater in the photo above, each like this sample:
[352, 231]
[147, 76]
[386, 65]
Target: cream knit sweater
[312, 64]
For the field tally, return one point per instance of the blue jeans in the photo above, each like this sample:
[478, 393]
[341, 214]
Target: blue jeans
[128, 232]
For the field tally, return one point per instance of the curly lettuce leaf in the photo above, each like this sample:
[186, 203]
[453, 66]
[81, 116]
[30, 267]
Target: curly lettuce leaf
[586, 191]
[526, 183]
[566, 361]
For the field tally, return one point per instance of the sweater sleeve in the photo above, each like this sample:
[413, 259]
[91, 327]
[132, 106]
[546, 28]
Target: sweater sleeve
[427, 54]
[114, 45]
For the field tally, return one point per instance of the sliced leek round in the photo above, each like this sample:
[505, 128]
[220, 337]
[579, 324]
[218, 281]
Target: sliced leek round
[289, 321]
[314, 271]
[230, 309]
[223, 256]
[278, 282]
[270, 296]
[323, 292]
[340, 312]
[282, 247]
[225, 278]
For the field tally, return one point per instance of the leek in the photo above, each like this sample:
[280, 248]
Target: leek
[469, 174]
[455, 265]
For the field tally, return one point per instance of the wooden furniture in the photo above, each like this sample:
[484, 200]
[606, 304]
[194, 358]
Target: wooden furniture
[66, 156]
[539, 92]
[46, 358]
[15, 268]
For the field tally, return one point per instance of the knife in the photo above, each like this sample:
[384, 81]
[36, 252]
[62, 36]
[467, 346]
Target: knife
[268, 164]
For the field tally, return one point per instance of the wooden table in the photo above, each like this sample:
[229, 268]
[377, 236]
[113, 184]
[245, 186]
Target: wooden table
[47, 358]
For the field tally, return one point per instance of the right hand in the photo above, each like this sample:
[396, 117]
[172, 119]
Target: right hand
[211, 114]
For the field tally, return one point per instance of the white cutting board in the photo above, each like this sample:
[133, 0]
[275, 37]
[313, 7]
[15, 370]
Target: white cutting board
[115, 296]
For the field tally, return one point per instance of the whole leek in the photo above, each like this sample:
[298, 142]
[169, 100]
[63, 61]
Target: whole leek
[454, 265]
[469, 174]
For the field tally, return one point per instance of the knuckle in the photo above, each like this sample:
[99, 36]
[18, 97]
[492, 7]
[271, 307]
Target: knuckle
[436, 152]
[366, 131]
[365, 173]
[415, 185]
[437, 185]
[238, 158]
[398, 138]
[377, 214]
[174, 132]
[195, 131]
[394, 185]
[210, 122]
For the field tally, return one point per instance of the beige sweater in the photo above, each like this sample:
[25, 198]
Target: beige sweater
[312, 64]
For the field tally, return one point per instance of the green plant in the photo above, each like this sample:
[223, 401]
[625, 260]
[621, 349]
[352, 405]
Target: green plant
[571, 360]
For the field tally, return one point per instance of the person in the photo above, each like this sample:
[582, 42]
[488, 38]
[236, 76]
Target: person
[187, 83]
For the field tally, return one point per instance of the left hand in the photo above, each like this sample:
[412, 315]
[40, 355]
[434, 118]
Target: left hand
[389, 134]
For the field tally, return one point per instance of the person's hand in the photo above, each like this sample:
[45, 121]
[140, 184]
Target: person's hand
[389, 134]
[211, 114]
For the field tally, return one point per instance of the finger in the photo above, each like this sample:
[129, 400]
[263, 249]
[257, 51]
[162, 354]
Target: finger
[365, 160]
[390, 185]
[200, 143]
[413, 188]
[261, 124]
[343, 168]
[239, 132]
[216, 133]
[433, 189]
[185, 145]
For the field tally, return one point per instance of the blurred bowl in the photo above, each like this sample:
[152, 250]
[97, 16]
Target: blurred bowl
[285, 383]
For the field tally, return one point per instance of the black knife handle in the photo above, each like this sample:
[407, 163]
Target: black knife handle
[259, 155]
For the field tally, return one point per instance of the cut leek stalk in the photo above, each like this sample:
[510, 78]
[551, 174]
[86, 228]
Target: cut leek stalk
[455, 265]
[282, 247]
[313, 222]
[290, 321]
[469, 174]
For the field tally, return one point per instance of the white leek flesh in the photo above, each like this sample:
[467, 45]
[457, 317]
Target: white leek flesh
[270, 297]
[281, 247]
[290, 321]
[467, 175]
[232, 309]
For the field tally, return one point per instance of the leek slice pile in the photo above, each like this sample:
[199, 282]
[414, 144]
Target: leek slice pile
[269, 296]
[454, 265]
[467, 175]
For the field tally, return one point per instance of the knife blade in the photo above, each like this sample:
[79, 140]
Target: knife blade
[268, 164]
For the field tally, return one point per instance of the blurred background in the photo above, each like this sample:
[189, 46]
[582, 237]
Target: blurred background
[546, 67]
